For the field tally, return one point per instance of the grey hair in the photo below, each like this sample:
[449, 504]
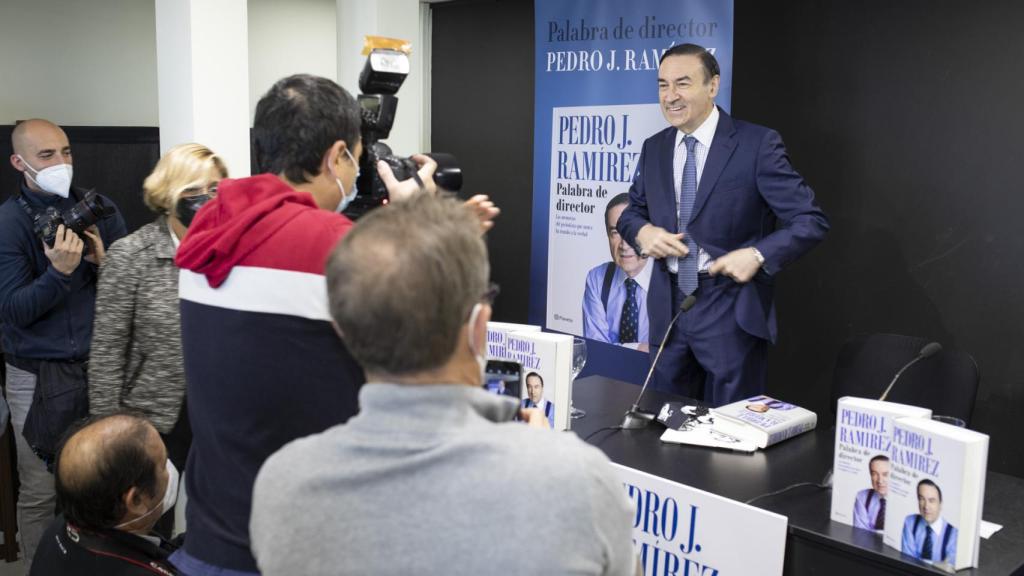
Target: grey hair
[402, 283]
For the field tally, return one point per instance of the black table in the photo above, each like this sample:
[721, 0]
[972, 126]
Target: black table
[814, 544]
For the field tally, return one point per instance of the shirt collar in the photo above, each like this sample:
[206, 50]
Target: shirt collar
[938, 525]
[704, 133]
[174, 237]
[643, 279]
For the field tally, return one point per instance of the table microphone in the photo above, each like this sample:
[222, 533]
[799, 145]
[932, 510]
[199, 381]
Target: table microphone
[636, 418]
[929, 349]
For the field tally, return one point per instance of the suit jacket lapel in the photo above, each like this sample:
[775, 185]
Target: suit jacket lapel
[668, 148]
[722, 147]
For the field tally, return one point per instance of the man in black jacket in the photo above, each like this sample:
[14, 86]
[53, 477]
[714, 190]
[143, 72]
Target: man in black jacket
[47, 298]
[113, 482]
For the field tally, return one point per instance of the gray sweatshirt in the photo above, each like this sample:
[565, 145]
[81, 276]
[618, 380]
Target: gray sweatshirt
[436, 480]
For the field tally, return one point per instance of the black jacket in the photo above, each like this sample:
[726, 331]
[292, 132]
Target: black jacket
[66, 550]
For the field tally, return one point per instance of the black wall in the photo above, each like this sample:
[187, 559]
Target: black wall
[903, 116]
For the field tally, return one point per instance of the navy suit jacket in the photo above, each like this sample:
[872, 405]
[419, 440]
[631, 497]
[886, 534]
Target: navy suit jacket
[749, 195]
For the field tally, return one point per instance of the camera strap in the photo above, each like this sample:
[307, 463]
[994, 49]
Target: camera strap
[20, 198]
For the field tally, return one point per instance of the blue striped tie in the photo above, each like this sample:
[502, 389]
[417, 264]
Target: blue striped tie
[687, 275]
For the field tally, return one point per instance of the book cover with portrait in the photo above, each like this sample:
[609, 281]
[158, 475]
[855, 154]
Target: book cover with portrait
[861, 467]
[763, 420]
[936, 491]
[546, 366]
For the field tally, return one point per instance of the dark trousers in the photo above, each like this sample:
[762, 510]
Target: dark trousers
[707, 355]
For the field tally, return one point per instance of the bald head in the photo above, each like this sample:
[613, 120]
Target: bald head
[101, 461]
[39, 143]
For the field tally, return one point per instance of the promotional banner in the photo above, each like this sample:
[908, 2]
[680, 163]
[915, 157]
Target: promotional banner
[684, 531]
[596, 103]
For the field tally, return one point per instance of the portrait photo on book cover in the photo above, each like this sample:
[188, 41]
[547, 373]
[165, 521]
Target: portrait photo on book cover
[869, 504]
[615, 292]
[927, 535]
[762, 404]
[535, 397]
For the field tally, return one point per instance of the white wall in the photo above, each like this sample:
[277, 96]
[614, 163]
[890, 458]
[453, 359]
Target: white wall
[78, 62]
[93, 62]
[402, 19]
[290, 37]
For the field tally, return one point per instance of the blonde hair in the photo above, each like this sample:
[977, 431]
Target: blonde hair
[184, 166]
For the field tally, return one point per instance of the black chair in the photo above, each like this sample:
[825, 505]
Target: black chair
[946, 382]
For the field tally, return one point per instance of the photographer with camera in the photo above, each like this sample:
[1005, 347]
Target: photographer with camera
[52, 238]
[263, 364]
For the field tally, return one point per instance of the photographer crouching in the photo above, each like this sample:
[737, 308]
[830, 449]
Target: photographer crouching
[52, 239]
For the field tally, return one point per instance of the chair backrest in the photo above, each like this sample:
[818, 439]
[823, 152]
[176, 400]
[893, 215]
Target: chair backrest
[946, 382]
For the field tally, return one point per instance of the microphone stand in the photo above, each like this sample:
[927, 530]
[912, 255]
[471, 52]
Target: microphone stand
[928, 350]
[635, 418]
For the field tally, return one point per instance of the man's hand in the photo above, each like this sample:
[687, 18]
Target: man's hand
[98, 251]
[740, 265]
[399, 191]
[534, 417]
[484, 209]
[66, 253]
[659, 243]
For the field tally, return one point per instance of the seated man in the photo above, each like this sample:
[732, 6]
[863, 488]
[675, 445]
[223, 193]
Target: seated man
[113, 482]
[432, 461]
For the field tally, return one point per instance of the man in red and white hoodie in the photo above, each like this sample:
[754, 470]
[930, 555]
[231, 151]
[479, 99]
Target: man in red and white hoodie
[263, 363]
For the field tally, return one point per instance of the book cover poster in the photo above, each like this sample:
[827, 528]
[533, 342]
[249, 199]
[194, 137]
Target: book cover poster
[596, 101]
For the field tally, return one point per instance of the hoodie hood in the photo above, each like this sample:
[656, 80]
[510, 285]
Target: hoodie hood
[243, 216]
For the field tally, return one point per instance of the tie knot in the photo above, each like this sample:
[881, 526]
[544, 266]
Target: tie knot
[630, 285]
[690, 142]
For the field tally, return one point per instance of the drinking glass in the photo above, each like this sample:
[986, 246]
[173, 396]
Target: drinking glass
[579, 360]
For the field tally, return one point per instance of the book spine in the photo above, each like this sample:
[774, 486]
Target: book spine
[794, 428]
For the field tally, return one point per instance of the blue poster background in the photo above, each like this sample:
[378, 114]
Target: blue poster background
[605, 53]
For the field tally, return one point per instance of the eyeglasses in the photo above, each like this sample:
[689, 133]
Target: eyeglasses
[210, 189]
[492, 292]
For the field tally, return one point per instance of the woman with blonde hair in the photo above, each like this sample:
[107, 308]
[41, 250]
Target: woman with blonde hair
[136, 360]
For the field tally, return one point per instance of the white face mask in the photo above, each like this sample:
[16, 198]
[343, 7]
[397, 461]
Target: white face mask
[481, 359]
[170, 496]
[54, 179]
[346, 200]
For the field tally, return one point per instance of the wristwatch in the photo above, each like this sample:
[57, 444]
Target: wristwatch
[758, 255]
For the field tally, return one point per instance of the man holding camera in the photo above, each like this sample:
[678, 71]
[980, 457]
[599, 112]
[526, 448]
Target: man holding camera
[47, 294]
[263, 364]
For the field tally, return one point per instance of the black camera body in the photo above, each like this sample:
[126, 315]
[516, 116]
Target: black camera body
[382, 76]
[88, 211]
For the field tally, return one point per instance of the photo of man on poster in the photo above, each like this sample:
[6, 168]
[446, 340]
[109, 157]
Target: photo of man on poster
[615, 295]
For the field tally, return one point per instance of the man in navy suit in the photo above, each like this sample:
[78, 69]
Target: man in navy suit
[717, 203]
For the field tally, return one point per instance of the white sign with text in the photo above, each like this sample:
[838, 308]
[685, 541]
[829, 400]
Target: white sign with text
[683, 531]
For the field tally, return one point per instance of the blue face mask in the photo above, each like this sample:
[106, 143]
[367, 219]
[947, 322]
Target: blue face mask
[347, 199]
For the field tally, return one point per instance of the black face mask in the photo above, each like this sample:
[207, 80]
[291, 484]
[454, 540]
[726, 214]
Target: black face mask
[187, 207]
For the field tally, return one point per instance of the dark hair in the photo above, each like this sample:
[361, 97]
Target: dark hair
[93, 497]
[539, 377]
[927, 482]
[879, 458]
[711, 68]
[620, 198]
[297, 120]
[429, 254]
